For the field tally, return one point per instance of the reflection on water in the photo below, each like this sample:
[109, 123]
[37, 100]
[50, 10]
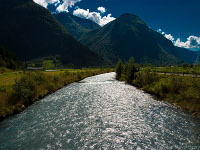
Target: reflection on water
[100, 113]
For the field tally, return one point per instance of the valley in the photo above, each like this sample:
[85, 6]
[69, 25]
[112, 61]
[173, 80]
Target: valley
[77, 78]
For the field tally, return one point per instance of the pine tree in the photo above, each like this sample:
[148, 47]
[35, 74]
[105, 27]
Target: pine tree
[119, 69]
[131, 71]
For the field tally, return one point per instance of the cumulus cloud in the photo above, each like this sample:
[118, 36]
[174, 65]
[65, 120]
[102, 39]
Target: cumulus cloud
[192, 41]
[67, 3]
[45, 2]
[169, 36]
[101, 9]
[61, 5]
[94, 16]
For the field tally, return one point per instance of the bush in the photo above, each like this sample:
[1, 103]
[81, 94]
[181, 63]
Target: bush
[146, 77]
[79, 75]
[130, 71]
[26, 89]
[176, 84]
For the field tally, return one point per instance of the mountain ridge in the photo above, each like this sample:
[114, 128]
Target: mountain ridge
[129, 36]
[30, 31]
[75, 25]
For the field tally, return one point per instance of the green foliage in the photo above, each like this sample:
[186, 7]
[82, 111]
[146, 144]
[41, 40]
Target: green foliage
[119, 69]
[34, 85]
[130, 72]
[67, 73]
[183, 91]
[79, 75]
[8, 59]
[186, 65]
[126, 72]
[145, 78]
[25, 88]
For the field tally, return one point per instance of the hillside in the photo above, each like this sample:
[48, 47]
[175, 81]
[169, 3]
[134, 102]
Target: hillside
[75, 25]
[8, 59]
[198, 53]
[129, 36]
[31, 31]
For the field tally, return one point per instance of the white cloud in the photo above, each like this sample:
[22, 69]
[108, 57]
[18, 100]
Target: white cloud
[159, 30]
[192, 41]
[101, 9]
[94, 16]
[66, 4]
[169, 37]
[45, 2]
[60, 6]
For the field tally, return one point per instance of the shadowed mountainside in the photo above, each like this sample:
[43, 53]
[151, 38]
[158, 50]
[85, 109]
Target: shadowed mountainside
[75, 25]
[129, 36]
[30, 31]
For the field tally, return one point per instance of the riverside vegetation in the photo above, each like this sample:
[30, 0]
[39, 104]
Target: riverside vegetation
[183, 91]
[23, 89]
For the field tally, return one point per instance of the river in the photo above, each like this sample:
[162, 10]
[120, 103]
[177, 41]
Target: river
[100, 113]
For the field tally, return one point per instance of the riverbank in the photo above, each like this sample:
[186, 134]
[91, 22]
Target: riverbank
[19, 91]
[178, 90]
[100, 113]
[183, 91]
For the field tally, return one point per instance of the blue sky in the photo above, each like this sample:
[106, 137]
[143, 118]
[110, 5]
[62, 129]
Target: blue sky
[179, 20]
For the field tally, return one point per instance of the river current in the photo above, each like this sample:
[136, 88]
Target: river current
[100, 113]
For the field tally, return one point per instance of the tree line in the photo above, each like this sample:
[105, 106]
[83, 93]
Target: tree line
[127, 71]
[8, 59]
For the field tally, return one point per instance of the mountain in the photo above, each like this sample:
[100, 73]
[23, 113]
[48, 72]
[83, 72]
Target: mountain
[75, 25]
[31, 31]
[129, 36]
[197, 52]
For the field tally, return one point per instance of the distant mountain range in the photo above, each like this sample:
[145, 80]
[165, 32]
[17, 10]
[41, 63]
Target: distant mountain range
[197, 52]
[129, 36]
[75, 25]
[30, 31]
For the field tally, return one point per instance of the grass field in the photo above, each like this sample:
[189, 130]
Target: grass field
[19, 90]
[187, 70]
[7, 80]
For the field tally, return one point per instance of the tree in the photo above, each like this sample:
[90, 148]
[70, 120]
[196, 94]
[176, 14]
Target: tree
[126, 70]
[119, 69]
[131, 71]
[186, 65]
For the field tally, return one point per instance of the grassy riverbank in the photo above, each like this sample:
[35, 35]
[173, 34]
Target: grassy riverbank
[181, 91]
[19, 90]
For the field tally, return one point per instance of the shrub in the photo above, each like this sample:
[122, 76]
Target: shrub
[40, 78]
[26, 89]
[146, 77]
[176, 84]
[79, 75]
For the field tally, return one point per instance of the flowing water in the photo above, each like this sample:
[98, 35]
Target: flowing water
[100, 113]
